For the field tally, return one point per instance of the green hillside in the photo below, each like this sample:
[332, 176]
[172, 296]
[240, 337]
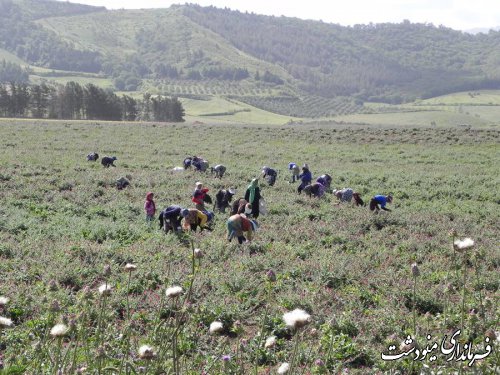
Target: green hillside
[287, 66]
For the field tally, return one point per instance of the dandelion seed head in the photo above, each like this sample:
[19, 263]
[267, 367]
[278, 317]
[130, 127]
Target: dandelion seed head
[129, 267]
[198, 253]
[146, 352]
[105, 290]
[296, 319]
[284, 368]
[5, 322]
[59, 330]
[173, 291]
[270, 342]
[414, 270]
[463, 244]
[216, 327]
[3, 301]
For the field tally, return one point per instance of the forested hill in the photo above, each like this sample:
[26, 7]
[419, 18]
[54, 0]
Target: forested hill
[244, 54]
[365, 60]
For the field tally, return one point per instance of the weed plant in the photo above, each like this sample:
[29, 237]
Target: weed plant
[77, 254]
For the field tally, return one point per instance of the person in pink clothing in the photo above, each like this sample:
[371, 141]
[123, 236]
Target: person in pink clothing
[149, 207]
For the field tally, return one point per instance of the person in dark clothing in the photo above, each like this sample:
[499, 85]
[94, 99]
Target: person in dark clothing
[252, 196]
[305, 178]
[316, 190]
[187, 162]
[223, 198]
[270, 175]
[325, 180]
[170, 219]
[238, 206]
[378, 202]
[108, 161]
[93, 156]
[219, 170]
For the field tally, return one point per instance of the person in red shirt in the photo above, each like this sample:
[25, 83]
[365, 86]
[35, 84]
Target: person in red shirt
[149, 207]
[199, 195]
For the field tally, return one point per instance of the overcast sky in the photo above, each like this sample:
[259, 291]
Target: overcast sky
[457, 14]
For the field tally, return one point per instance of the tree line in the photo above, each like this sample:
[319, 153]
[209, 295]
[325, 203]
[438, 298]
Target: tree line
[89, 102]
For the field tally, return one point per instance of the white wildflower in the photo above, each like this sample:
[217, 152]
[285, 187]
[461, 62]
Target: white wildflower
[296, 319]
[59, 330]
[5, 322]
[414, 270]
[173, 291]
[146, 352]
[270, 342]
[105, 290]
[463, 244]
[129, 267]
[216, 327]
[283, 369]
[198, 253]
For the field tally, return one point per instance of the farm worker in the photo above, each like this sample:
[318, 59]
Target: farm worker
[344, 195]
[149, 207]
[325, 180]
[194, 218]
[170, 218]
[238, 206]
[223, 198]
[237, 225]
[197, 162]
[295, 169]
[316, 190]
[305, 178]
[219, 170]
[270, 175]
[380, 200]
[199, 195]
[347, 194]
[252, 196]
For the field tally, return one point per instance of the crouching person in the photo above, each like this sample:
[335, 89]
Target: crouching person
[325, 180]
[347, 195]
[379, 202]
[170, 219]
[219, 170]
[194, 218]
[223, 198]
[316, 190]
[269, 175]
[238, 225]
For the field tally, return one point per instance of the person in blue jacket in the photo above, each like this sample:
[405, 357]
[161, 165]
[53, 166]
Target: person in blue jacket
[379, 202]
[305, 178]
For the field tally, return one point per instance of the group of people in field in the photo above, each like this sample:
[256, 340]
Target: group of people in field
[244, 211]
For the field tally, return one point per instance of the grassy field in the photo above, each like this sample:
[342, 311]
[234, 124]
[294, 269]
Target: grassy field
[62, 222]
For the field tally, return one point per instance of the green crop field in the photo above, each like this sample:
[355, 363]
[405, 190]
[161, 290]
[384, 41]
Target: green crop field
[63, 223]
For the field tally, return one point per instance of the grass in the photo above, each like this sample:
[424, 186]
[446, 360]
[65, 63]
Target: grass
[62, 221]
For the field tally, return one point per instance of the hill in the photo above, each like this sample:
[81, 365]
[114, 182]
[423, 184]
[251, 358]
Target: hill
[283, 65]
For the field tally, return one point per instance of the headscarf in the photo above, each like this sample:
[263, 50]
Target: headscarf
[253, 185]
[149, 196]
